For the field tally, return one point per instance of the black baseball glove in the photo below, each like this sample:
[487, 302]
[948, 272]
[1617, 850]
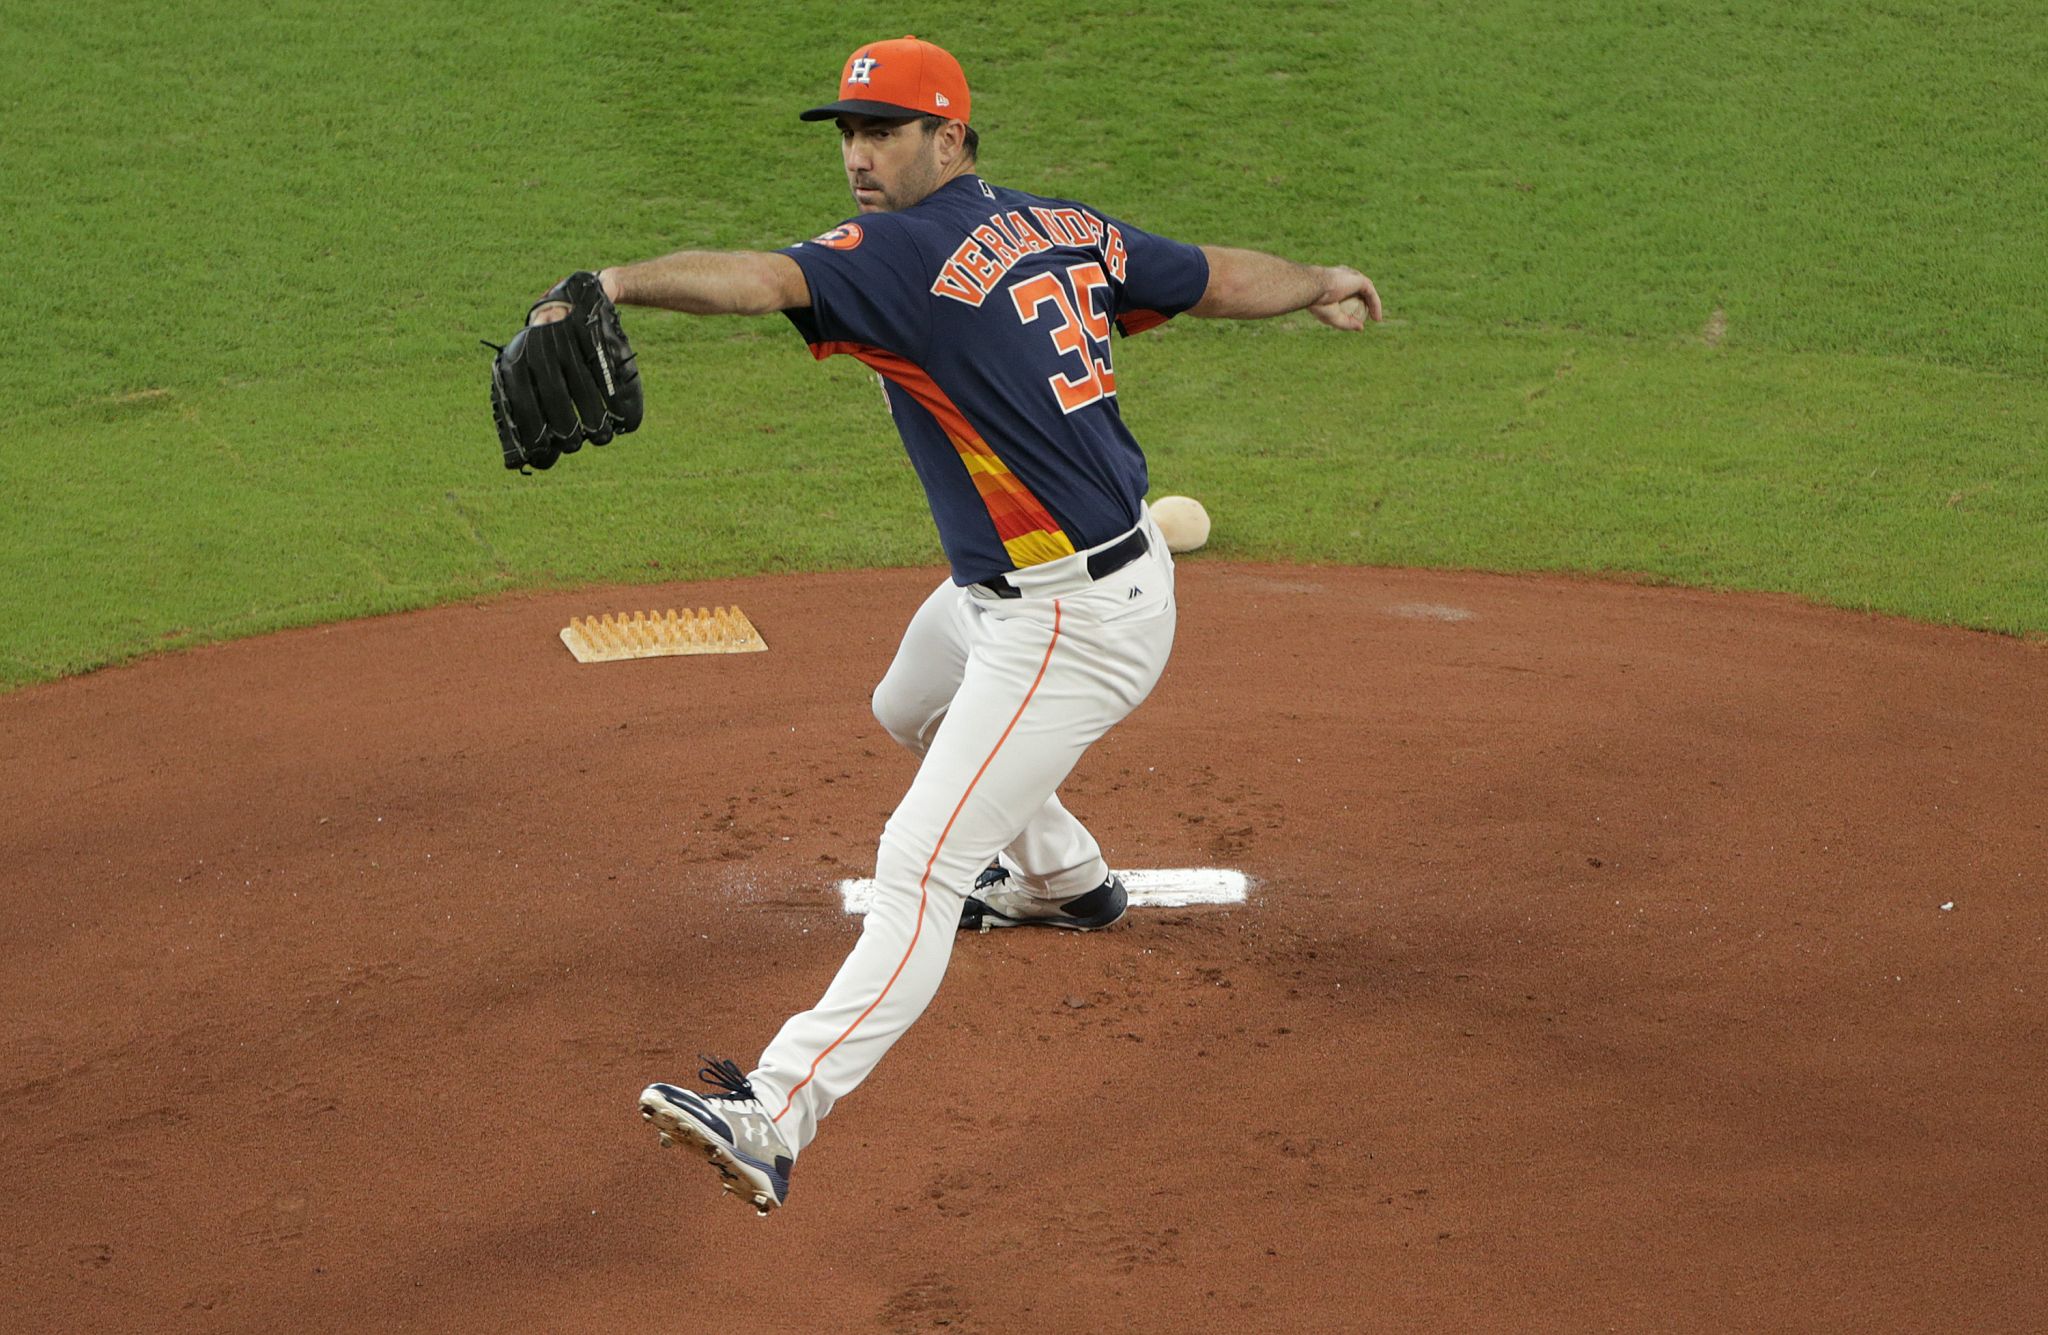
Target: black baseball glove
[557, 385]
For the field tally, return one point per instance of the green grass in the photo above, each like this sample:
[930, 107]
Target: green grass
[1734, 296]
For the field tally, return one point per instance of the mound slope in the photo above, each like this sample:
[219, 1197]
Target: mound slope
[1598, 970]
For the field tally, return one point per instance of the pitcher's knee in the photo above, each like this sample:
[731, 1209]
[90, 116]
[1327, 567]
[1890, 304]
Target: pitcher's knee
[904, 716]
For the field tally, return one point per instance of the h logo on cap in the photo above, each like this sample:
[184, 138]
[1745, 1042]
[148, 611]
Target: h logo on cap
[862, 67]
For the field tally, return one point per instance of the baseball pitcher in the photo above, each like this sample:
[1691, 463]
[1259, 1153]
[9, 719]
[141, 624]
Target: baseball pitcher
[988, 313]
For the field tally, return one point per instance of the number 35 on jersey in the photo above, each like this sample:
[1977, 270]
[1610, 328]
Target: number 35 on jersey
[1080, 327]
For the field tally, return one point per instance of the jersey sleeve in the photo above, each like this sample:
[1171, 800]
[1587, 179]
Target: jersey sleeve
[866, 290]
[1161, 277]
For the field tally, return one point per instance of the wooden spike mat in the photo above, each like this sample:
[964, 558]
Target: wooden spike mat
[609, 638]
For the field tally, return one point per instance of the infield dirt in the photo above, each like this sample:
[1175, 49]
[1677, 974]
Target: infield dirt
[1618, 957]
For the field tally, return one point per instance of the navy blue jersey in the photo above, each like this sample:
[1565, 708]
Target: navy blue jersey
[988, 312]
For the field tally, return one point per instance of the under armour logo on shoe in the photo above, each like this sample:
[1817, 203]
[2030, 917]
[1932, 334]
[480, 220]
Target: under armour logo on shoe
[1135, 591]
[863, 66]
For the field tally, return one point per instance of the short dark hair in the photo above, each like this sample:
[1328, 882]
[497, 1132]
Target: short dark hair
[931, 126]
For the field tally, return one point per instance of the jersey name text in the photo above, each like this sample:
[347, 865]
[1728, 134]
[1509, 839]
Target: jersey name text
[994, 247]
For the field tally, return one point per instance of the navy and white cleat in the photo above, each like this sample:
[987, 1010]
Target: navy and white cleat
[994, 904]
[731, 1128]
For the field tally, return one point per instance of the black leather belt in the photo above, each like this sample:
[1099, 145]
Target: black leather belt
[1105, 562]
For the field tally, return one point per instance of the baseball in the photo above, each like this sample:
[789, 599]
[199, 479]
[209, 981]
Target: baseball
[1183, 520]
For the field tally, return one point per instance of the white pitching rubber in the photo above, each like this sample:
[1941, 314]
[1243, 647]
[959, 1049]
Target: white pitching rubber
[1159, 888]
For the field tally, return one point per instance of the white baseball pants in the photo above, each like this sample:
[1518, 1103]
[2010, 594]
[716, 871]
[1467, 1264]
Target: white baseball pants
[1000, 696]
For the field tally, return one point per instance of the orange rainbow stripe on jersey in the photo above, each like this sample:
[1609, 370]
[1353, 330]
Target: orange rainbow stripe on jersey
[1026, 528]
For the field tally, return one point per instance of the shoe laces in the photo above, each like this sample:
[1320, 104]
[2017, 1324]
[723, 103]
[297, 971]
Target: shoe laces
[728, 1076]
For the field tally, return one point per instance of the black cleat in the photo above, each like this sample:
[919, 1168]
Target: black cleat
[993, 904]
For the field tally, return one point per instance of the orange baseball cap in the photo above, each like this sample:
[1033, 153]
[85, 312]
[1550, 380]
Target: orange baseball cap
[897, 80]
